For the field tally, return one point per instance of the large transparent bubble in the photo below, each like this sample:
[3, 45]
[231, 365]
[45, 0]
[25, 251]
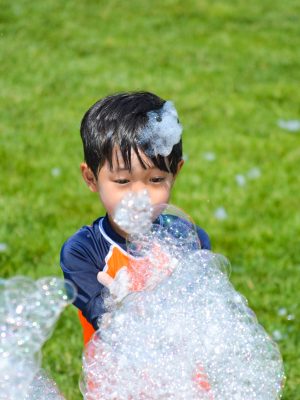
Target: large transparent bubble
[29, 310]
[182, 332]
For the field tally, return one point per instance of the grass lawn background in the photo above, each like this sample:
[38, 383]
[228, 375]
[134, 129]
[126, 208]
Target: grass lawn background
[233, 70]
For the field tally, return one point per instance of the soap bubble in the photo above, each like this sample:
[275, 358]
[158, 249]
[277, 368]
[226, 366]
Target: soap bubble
[292, 125]
[183, 332]
[3, 247]
[29, 309]
[221, 213]
[209, 156]
[254, 173]
[179, 226]
[240, 180]
[55, 172]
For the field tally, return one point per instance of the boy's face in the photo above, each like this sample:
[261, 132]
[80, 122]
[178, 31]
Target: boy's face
[113, 184]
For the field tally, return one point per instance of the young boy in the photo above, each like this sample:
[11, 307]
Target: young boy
[132, 142]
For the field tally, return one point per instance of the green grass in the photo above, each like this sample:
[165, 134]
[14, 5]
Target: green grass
[231, 67]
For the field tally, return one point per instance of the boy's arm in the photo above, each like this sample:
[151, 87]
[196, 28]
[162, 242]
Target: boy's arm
[79, 266]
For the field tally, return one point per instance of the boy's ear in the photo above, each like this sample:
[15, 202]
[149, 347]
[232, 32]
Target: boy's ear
[89, 177]
[179, 166]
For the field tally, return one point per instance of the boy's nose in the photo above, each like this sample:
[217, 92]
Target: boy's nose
[138, 187]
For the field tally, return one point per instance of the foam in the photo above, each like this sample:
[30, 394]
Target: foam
[29, 310]
[186, 334]
[161, 132]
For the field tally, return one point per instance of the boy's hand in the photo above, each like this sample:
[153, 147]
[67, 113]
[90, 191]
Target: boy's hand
[118, 287]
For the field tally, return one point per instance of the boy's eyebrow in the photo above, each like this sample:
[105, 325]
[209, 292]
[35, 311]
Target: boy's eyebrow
[120, 169]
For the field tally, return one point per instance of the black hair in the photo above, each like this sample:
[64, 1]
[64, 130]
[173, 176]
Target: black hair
[117, 120]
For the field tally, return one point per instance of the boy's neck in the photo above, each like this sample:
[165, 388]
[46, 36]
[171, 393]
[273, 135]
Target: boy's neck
[116, 228]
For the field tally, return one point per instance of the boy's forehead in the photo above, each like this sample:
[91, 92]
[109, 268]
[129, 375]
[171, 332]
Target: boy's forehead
[118, 162]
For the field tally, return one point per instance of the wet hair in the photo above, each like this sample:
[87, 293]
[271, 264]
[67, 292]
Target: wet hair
[116, 121]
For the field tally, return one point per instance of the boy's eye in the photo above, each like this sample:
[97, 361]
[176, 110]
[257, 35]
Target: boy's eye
[121, 181]
[157, 179]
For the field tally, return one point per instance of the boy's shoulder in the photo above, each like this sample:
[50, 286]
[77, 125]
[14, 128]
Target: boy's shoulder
[85, 243]
[90, 243]
[85, 234]
[204, 239]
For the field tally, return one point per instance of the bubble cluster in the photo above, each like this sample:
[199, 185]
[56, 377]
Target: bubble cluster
[28, 311]
[185, 334]
[161, 132]
[43, 388]
[134, 213]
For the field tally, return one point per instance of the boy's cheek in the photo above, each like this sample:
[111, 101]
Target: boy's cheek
[160, 197]
[110, 200]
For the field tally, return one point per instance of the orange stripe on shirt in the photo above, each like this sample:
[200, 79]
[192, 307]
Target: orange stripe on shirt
[115, 260]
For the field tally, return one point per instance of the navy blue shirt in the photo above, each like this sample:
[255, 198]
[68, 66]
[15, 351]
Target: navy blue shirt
[87, 252]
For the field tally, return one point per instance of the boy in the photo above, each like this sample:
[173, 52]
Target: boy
[132, 142]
